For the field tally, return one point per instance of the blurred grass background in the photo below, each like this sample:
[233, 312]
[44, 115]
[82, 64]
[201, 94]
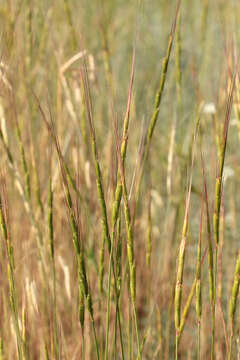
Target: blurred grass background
[38, 39]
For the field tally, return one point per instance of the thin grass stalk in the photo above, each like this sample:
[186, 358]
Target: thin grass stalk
[233, 304]
[46, 355]
[96, 158]
[108, 302]
[158, 98]
[198, 283]
[121, 274]
[219, 290]
[210, 246]
[179, 95]
[101, 197]
[24, 334]
[182, 248]
[143, 342]
[149, 233]
[52, 257]
[14, 309]
[83, 286]
[118, 193]
[117, 294]
[172, 282]
[101, 264]
[100, 188]
[118, 264]
[81, 308]
[11, 270]
[130, 240]
[186, 310]
[2, 357]
[129, 333]
[160, 90]
[218, 195]
[72, 182]
[188, 304]
[81, 311]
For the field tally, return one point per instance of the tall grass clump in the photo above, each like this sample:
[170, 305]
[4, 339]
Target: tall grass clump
[119, 214]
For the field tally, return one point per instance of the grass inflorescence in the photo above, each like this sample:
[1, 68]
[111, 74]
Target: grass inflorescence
[119, 214]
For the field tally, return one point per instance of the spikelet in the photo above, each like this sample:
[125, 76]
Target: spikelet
[31, 292]
[66, 273]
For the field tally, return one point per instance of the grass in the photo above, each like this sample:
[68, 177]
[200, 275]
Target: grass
[119, 211]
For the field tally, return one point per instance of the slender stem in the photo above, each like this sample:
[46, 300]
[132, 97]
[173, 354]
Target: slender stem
[108, 303]
[218, 196]
[199, 340]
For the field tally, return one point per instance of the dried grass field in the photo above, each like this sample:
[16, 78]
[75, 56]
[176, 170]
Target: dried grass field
[119, 179]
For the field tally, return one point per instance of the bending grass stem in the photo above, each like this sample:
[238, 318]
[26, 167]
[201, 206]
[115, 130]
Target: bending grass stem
[218, 195]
